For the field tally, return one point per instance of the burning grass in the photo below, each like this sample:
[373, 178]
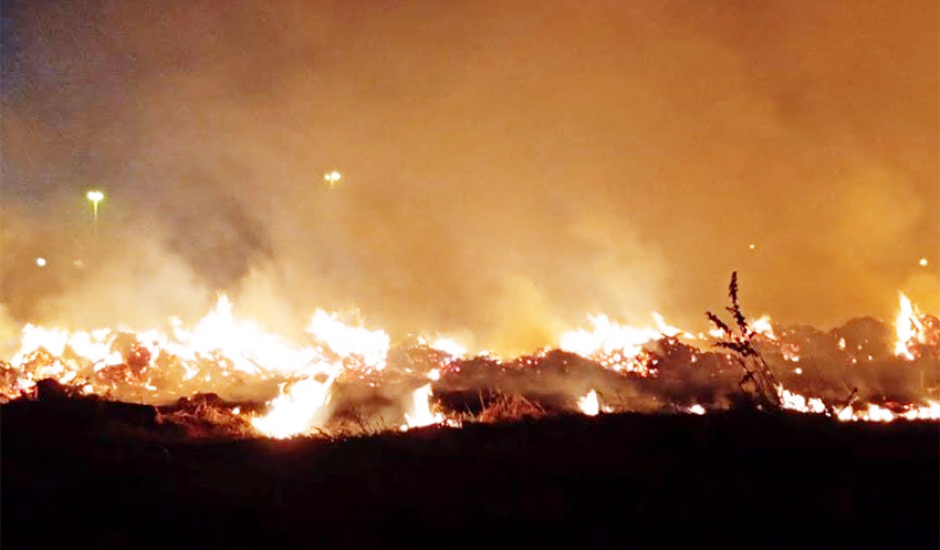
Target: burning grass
[352, 380]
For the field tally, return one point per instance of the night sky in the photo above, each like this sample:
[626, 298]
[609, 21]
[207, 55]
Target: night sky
[508, 167]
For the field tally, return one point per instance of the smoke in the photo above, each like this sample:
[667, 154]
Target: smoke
[507, 168]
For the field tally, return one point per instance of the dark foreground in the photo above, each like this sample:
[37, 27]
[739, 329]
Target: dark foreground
[74, 476]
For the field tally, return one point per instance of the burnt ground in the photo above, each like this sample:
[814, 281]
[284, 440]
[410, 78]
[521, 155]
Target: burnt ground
[92, 474]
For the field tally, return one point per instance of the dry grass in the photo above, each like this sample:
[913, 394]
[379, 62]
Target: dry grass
[508, 408]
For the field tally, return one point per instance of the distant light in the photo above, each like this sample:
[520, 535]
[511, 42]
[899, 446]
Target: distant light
[923, 262]
[41, 262]
[78, 263]
[798, 370]
[332, 178]
[95, 196]
[752, 246]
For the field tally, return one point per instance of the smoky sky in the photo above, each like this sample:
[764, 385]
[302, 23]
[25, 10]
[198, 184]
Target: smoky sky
[507, 167]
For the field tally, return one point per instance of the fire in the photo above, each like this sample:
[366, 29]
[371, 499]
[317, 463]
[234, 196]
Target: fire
[450, 347]
[613, 345]
[589, 404]
[295, 411]
[762, 326]
[421, 412]
[226, 354]
[799, 403]
[909, 329]
[371, 347]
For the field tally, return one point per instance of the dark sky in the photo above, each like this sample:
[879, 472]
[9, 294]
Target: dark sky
[508, 166]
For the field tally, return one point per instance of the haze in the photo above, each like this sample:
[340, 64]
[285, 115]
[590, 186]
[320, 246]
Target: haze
[508, 167]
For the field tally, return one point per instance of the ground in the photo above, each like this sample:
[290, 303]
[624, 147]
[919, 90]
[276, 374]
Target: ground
[104, 476]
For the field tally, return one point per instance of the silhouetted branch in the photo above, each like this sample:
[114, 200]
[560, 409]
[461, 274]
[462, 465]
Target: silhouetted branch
[756, 371]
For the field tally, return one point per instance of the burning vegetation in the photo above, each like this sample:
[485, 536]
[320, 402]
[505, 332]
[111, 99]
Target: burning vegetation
[228, 377]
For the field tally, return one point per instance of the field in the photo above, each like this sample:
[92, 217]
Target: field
[105, 475]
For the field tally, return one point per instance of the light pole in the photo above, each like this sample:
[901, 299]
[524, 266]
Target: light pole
[95, 197]
[332, 178]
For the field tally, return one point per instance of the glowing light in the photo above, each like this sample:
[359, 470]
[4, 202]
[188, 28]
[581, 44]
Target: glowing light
[41, 262]
[752, 246]
[923, 262]
[332, 178]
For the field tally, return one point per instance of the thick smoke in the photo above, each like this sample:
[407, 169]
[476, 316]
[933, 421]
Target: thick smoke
[508, 167]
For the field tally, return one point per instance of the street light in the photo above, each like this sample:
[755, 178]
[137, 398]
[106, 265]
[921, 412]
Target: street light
[332, 178]
[95, 197]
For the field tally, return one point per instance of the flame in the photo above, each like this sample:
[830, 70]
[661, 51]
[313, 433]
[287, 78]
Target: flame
[346, 341]
[614, 346]
[224, 351]
[421, 413]
[909, 329]
[800, 403]
[449, 346]
[296, 411]
[589, 404]
[762, 326]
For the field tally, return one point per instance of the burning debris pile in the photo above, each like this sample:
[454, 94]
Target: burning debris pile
[228, 377]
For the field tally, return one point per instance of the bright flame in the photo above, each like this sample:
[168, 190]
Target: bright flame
[762, 326]
[346, 341]
[223, 351]
[800, 403]
[422, 415]
[909, 329]
[613, 345]
[450, 347]
[589, 404]
[295, 411]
